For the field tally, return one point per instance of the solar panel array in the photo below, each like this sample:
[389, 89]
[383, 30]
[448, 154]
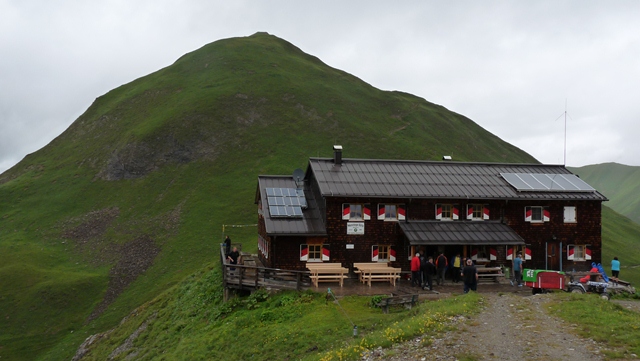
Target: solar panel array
[536, 182]
[286, 202]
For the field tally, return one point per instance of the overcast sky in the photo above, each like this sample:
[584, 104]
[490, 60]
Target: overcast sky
[511, 67]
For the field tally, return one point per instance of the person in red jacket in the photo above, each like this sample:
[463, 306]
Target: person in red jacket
[415, 270]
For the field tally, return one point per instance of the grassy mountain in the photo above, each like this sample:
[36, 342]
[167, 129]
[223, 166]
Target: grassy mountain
[620, 183]
[133, 196]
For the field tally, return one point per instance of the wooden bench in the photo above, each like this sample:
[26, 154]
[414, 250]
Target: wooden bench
[407, 300]
[327, 272]
[375, 272]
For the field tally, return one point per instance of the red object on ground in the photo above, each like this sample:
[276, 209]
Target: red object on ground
[548, 281]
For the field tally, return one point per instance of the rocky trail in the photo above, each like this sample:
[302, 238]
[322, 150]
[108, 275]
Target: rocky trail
[510, 327]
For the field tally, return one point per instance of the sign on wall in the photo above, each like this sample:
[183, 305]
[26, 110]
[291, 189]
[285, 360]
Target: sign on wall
[355, 227]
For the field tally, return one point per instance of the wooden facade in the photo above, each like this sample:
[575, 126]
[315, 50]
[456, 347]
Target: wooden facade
[567, 236]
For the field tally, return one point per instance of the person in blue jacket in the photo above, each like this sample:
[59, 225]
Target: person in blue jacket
[615, 268]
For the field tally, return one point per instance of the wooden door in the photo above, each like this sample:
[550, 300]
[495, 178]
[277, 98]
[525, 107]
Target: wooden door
[553, 256]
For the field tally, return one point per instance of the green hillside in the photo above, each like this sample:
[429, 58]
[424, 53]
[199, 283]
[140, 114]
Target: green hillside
[620, 183]
[132, 197]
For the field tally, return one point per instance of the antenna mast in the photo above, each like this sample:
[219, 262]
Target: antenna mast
[564, 161]
[565, 134]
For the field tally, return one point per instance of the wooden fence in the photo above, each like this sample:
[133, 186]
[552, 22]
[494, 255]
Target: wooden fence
[250, 277]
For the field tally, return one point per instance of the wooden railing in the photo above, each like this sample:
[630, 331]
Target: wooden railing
[252, 277]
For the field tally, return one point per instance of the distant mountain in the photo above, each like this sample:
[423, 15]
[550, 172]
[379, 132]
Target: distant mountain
[135, 194]
[620, 183]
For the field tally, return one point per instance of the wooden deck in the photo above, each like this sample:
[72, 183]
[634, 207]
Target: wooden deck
[252, 275]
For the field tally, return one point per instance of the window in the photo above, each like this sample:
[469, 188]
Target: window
[391, 212]
[477, 212]
[447, 212]
[382, 253]
[483, 253]
[525, 251]
[577, 252]
[570, 215]
[356, 212]
[536, 214]
[263, 246]
[314, 252]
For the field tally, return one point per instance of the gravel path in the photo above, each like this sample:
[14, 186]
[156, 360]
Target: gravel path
[511, 327]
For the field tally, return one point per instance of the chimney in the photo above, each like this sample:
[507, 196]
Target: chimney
[337, 154]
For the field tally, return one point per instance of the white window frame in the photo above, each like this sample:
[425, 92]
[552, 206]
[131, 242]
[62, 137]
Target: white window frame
[477, 213]
[585, 256]
[394, 216]
[541, 209]
[452, 209]
[387, 252]
[354, 215]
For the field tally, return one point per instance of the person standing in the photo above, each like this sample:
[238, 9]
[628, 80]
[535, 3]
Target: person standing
[441, 265]
[227, 246]
[470, 277]
[517, 270]
[456, 263]
[428, 272]
[415, 270]
[615, 268]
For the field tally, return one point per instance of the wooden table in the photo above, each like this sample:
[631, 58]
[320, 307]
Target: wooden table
[489, 273]
[327, 272]
[369, 273]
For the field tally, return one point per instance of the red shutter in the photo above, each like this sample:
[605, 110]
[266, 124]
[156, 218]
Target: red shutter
[455, 212]
[469, 211]
[587, 252]
[381, 212]
[527, 214]
[374, 253]
[438, 211]
[401, 212]
[545, 214]
[304, 252]
[493, 254]
[366, 210]
[346, 212]
[392, 254]
[325, 252]
[485, 212]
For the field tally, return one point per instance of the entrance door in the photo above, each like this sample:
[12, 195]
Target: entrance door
[553, 256]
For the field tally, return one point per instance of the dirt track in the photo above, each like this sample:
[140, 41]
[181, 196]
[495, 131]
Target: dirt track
[512, 326]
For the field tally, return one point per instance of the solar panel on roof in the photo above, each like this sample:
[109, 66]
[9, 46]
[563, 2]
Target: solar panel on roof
[536, 182]
[286, 202]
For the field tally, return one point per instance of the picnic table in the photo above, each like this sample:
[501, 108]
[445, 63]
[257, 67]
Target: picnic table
[377, 271]
[489, 273]
[327, 272]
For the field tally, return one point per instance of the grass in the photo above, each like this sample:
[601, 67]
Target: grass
[603, 321]
[191, 322]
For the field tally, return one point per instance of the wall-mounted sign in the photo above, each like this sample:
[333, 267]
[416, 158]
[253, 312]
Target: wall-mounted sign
[355, 227]
[350, 246]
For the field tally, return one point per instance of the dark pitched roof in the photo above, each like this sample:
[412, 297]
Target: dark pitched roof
[429, 179]
[459, 233]
[310, 224]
